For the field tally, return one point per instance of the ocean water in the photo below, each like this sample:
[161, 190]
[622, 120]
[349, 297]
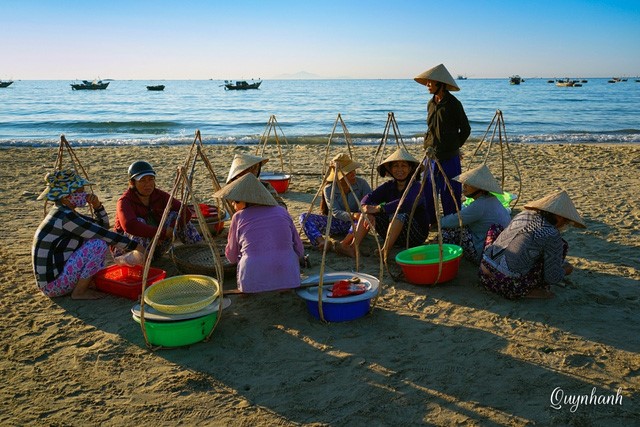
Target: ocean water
[36, 113]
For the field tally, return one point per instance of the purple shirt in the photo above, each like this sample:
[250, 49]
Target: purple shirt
[266, 245]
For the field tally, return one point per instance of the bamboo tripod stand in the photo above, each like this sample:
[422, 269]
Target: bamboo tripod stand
[497, 123]
[76, 165]
[433, 167]
[327, 168]
[183, 190]
[347, 140]
[273, 127]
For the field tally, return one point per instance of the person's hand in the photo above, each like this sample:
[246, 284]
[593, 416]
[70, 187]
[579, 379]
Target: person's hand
[370, 209]
[93, 200]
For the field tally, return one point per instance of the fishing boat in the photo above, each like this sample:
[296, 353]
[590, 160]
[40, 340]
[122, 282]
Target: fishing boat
[6, 83]
[515, 80]
[241, 84]
[461, 77]
[156, 87]
[90, 85]
[566, 83]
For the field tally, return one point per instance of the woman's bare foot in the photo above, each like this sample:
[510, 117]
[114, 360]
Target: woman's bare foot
[347, 240]
[88, 294]
[346, 250]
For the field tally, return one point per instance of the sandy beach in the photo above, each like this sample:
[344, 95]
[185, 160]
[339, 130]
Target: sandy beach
[451, 354]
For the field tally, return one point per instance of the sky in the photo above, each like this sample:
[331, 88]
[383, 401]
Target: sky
[268, 39]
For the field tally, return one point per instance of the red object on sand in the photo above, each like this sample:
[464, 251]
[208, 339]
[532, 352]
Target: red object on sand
[125, 281]
[346, 288]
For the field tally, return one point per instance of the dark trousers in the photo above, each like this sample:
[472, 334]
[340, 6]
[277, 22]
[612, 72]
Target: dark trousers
[451, 168]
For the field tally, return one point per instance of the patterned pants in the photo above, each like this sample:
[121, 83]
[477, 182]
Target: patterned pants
[452, 236]
[315, 225]
[417, 234]
[515, 287]
[187, 235]
[84, 263]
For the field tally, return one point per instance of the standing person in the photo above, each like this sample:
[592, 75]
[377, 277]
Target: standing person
[529, 255]
[447, 130]
[380, 205]
[243, 164]
[484, 215]
[314, 225]
[262, 238]
[70, 248]
[140, 208]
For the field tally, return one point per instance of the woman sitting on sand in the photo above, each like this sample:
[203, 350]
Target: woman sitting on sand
[484, 215]
[529, 255]
[243, 164]
[262, 238]
[345, 209]
[139, 211]
[70, 248]
[381, 204]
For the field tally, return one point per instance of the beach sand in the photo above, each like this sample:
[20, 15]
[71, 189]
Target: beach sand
[442, 355]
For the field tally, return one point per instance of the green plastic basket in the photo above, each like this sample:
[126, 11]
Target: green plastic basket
[429, 254]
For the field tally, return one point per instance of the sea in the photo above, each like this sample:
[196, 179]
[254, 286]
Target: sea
[35, 113]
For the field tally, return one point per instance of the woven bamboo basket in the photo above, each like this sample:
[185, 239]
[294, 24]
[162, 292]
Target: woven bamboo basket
[182, 294]
[198, 259]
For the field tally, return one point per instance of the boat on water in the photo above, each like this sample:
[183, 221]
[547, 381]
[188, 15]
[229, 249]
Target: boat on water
[515, 80]
[567, 83]
[90, 85]
[461, 77]
[241, 84]
[156, 87]
[6, 83]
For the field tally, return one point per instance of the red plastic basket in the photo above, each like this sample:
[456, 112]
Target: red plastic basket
[280, 182]
[125, 281]
[210, 213]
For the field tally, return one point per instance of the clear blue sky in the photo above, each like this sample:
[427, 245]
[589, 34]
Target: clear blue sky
[200, 39]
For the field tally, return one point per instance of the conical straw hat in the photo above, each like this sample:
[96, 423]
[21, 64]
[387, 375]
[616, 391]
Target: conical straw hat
[242, 162]
[344, 164]
[438, 73]
[399, 154]
[558, 203]
[480, 178]
[246, 189]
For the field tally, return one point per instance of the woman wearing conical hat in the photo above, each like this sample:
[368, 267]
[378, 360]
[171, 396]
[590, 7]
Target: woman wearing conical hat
[381, 204]
[69, 248]
[345, 209]
[447, 130]
[243, 164]
[262, 238]
[529, 255]
[485, 214]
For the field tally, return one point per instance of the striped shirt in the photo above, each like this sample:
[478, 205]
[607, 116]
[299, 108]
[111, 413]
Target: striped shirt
[62, 232]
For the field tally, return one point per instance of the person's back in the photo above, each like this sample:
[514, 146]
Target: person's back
[266, 244]
[527, 240]
[479, 216]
